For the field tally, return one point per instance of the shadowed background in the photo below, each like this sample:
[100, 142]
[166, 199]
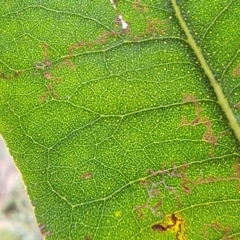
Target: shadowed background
[17, 220]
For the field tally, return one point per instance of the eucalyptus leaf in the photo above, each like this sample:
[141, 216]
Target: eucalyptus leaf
[123, 116]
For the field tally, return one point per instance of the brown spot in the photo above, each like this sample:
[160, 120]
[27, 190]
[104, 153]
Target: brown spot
[87, 238]
[140, 7]
[156, 26]
[188, 184]
[236, 71]
[191, 98]
[68, 62]
[237, 106]
[47, 75]
[76, 46]
[236, 167]
[14, 75]
[158, 227]
[139, 212]
[44, 232]
[45, 64]
[103, 38]
[153, 27]
[43, 97]
[45, 48]
[208, 135]
[87, 175]
[218, 228]
[41, 66]
[50, 92]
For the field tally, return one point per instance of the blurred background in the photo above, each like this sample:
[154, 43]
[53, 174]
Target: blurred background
[17, 221]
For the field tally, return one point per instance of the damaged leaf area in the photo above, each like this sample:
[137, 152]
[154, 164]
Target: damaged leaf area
[174, 223]
[123, 116]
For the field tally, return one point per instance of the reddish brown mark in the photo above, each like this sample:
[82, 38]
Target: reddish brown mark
[153, 27]
[161, 228]
[43, 230]
[14, 75]
[216, 226]
[236, 71]
[87, 175]
[87, 238]
[139, 7]
[209, 135]
[237, 106]
[175, 220]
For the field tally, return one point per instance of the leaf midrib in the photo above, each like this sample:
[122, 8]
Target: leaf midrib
[222, 100]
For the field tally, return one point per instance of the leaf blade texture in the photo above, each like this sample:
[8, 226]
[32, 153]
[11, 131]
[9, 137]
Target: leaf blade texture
[112, 119]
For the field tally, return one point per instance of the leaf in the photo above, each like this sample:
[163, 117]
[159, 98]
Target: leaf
[123, 116]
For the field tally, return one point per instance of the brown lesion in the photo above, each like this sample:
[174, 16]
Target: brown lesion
[174, 223]
[40, 67]
[237, 106]
[139, 7]
[87, 237]
[102, 39]
[15, 74]
[153, 186]
[209, 135]
[67, 62]
[156, 181]
[52, 81]
[43, 230]
[87, 175]
[78, 45]
[153, 202]
[153, 28]
[188, 183]
[225, 230]
[236, 71]
[236, 168]
[199, 119]
[44, 68]
[45, 64]
[139, 211]
[156, 26]
[50, 92]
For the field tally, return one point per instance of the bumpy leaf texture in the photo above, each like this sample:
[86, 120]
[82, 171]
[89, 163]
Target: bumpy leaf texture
[123, 116]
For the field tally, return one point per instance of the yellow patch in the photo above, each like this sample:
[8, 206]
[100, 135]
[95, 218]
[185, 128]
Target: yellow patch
[174, 223]
[118, 214]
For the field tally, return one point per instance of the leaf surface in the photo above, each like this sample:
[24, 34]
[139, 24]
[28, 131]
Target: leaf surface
[123, 116]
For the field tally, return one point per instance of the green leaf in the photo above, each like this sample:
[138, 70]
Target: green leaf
[123, 116]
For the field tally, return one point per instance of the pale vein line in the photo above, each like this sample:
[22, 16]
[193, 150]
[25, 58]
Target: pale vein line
[225, 201]
[216, 18]
[229, 64]
[216, 86]
[232, 90]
